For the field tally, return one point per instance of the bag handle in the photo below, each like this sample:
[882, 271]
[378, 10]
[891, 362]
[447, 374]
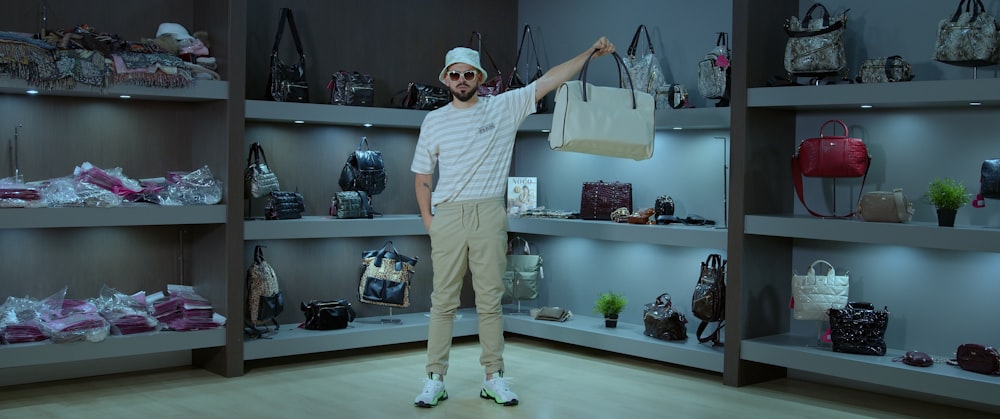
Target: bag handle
[664, 300]
[510, 245]
[809, 15]
[797, 181]
[620, 63]
[258, 254]
[829, 272]
[715, 261]
[363, 142]
[635, 41]
[478, 35]
[722, 40]
[974, 6]
[827, 27]
[251, 156]
[839, 122]
[286, 14]
[517, 60]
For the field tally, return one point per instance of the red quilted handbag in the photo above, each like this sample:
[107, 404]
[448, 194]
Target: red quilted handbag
[830, 157]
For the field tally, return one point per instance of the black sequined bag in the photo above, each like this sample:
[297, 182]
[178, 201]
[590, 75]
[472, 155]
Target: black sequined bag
[858, 328]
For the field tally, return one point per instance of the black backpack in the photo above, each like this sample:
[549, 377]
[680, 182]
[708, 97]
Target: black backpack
[709, 300]
[364, 171]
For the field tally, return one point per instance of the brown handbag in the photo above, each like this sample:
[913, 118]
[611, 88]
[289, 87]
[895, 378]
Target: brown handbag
[599, 199]
[977, 358]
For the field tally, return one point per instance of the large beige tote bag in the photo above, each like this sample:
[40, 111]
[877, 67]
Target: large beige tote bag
[605, 121]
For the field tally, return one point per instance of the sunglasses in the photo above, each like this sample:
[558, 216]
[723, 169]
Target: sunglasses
[468, 75]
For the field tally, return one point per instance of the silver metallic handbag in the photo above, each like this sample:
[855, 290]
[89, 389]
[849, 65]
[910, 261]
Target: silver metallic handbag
[884, 70]
[645, 70]
[968, 38]
[815, 47]
[713, 70]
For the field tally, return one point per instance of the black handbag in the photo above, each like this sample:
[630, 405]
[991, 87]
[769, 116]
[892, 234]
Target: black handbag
[708, 302]
[351, 204]
[364, 170]
[351, 88]
[989, 182]
[858, 328]
[327, 315]
[662, 321]
[287, 82]
[423, 97]
[284, 205]
[515, 82]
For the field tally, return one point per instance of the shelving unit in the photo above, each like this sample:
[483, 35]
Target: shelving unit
[771, 225]
[176, 245]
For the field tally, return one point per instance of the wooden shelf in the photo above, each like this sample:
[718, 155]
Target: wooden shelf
[130, 215]
[39, 353]
[200, 90]
[913, 234]
[670, 234]
[362, 333]
[626, 339]
[913, 94]
[802, 353]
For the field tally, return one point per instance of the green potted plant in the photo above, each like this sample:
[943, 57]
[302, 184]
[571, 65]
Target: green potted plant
[610, 304]
[947, 195]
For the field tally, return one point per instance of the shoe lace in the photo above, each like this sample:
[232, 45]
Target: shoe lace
[429, 386]
[500, 383]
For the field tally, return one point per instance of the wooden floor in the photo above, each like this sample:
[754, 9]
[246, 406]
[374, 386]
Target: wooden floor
[553, 381]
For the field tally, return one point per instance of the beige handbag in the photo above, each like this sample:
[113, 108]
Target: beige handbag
[813, 295]
[885, 207]
[606, 121]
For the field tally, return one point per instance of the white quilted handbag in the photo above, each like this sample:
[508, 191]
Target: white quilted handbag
[813, 295]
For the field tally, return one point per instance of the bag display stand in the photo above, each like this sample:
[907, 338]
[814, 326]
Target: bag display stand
[390, 319]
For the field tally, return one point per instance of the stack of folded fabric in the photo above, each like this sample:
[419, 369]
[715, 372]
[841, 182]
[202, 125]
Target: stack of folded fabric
[196, 311]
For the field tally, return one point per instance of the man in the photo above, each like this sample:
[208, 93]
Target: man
[471, 142]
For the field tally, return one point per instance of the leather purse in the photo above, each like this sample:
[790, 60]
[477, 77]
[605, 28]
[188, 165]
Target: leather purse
[714, 71]
[424, 97]
[327, 315]
[364, 170]
[989, 182]
[968, 38]
[514, 81]
[606, 121]
[915, 358]
[813, 295]
[523, 272]
[815, 46]
[351, 88]
[351, 204]
[287, 82]
[644, 70]
[884, 70]
[599, 199]
[662, 322]
[708, 301]
[885, 207]
[494, 85]
[830, 157]
[386, 277]
[858, 328]
[977, 358]
[258, 179]
[553, 314]
[284, 205]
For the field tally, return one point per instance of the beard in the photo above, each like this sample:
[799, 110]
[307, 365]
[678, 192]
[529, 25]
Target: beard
[464, 97]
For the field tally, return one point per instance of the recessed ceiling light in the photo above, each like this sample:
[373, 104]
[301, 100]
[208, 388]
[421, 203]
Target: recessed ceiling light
[866, 106]
[678, 128]
[125, 96]
[32, 92]
[975, 103]
[300, 122]
[367, 125]
[546, 130]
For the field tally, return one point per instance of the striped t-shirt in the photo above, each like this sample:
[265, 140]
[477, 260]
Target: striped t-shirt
[472, 148]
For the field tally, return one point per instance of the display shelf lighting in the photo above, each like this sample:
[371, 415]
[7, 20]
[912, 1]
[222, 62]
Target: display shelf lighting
[31, 92]
[866, 106]
[975, 103]
[368, 125]
[299, 121]
[125, 96]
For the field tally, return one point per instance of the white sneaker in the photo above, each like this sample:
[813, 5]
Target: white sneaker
[433, 392]
[496, 389]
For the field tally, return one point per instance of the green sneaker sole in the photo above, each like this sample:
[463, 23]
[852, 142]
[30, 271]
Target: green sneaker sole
[489, 396]
[441, 396]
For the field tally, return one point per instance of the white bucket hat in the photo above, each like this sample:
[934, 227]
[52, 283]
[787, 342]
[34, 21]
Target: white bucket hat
[461, 55]
[175, 29]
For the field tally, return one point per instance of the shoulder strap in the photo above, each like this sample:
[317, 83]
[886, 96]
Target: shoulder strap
[635, 41]
[714, 337]
[797, 181]
[286, 14]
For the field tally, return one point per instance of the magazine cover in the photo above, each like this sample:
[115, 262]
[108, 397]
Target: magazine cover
[521, 194]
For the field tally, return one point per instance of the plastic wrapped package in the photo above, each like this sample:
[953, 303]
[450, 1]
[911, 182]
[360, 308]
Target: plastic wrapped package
[112, 180]
[14, 194]
[68, 192]
[65, 320]
[188, 188]
[127, 314]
